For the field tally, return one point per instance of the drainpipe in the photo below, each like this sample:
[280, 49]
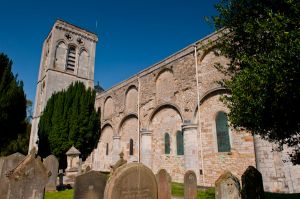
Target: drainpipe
[198, 104]
[138, 126]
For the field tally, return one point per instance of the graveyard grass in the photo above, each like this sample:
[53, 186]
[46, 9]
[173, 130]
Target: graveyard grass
[67, 194]
[177, 190]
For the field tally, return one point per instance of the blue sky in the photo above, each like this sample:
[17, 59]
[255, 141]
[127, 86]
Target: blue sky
[133, 34]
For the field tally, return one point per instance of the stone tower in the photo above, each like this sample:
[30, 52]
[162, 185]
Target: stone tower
[68, 55]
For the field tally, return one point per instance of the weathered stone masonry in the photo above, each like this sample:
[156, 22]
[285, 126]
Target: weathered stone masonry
[163, 99]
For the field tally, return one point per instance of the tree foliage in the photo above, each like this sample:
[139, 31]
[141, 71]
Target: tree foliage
[13, 124]
[69, 118]
[262, 40]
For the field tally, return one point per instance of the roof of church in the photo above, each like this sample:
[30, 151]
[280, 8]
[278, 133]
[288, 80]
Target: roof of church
[73, 151]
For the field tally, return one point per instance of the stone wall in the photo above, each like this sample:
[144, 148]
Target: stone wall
[160, 100]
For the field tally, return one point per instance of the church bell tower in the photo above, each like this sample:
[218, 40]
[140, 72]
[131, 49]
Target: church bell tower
[68, 55]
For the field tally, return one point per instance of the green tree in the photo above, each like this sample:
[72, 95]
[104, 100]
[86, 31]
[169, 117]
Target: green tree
[262, 40]
[12, 110]
[69, 118]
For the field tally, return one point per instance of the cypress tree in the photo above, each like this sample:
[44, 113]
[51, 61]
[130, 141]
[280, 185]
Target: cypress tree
[69, 118]
[13, 125]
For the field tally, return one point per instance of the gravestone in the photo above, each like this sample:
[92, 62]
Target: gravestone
[6, 164]
[131, 181]
[163, 180]
[227, 186]
[51, 164]
[119, 163]
[10, 162]
[190, 185]
[27, 180]
[90, 185]
[252, 184]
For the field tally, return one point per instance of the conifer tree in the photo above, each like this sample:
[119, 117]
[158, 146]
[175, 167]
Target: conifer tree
[13, 125]
[68, 119]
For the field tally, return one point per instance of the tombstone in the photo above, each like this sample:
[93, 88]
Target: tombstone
[73, 164]
[27, 180]
[10, 162]
[190, 185]
[119, 163]
[51, 164]
[131, 181]
[227, 186]
[60, 180]
[252, 184]
[90, 185]
[6, 164]
[163, 180]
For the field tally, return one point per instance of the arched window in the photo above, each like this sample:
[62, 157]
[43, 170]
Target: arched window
[106, 148]
[222, 132]
[180, 145]
[131, 147]
[71, 58]
[167, 143]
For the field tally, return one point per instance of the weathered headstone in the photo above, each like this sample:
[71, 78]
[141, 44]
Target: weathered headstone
[190, 185]
[8, 163]
[131, 181]
[90, 185]
[51, 164]
[163, 180]
[60, 180]
[119, 163]
[27, 180]
[252, 184]
[227, 186]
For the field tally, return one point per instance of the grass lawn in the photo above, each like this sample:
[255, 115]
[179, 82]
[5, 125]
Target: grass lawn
[177, 190]
[67, 194]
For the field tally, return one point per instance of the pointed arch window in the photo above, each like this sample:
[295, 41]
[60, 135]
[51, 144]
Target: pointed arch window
[222, 132]
[131, 147]
[180, 145]
[167, 143]
[71, 57]
[106, 149]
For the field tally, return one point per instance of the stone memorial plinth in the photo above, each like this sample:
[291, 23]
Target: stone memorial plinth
[227, 187]
[131, 181]
[73, 164]
[163, 180]
[252, 184]
[190, 185]
[51, 164]
[90, 185]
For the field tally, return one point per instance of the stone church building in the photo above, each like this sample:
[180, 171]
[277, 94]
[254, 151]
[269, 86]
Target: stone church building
[167, 116]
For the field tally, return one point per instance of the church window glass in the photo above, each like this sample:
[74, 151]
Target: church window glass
[167, 143]
[180, 145]
[131, 147]
[222, 132]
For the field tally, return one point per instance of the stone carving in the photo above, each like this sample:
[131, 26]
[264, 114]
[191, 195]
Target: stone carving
[73, 162]
[90, 185]
[227, 186]
[252, 184]
[119, 163]
[27, 180]
[163, 180]
[190, 185]
[8, 163]
[131, 181]
[51, 164]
